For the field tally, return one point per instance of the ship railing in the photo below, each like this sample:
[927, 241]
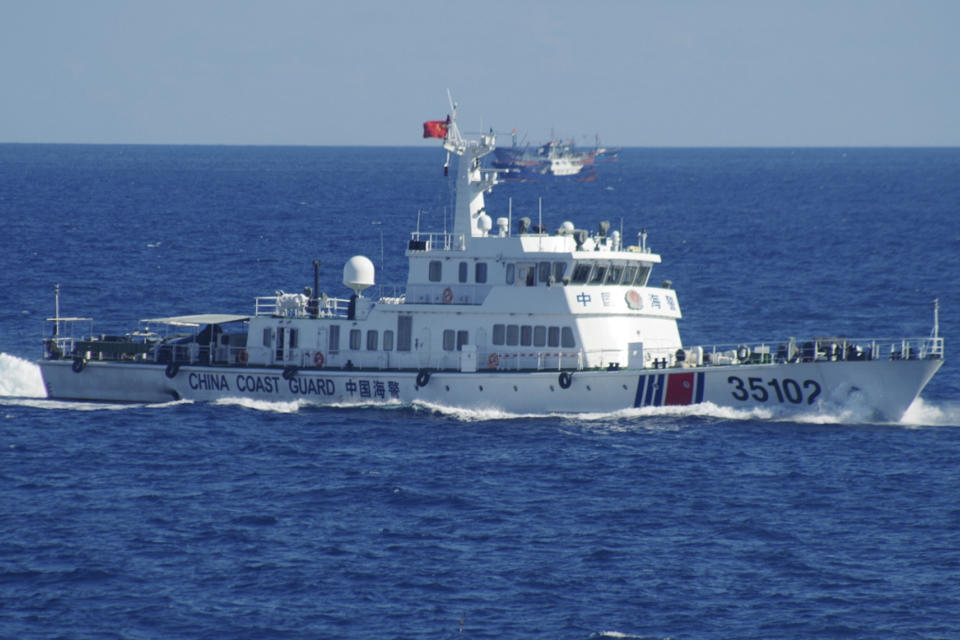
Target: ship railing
[65, 336]
[821, 349]
[436, 241]
[553, 359]
[818, 349]
[391, 294]
[201, 354]
[300, 306]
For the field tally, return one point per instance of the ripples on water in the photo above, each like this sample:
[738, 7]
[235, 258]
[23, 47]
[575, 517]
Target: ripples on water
[247, 519]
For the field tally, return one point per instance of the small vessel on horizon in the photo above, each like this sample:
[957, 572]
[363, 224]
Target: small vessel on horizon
[554, 158]
[497, 313]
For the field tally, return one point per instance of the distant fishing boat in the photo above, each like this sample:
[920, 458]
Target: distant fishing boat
[553, 158]
[605, 154]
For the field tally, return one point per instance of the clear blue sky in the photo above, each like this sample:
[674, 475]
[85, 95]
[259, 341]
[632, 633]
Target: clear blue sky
[360, 72]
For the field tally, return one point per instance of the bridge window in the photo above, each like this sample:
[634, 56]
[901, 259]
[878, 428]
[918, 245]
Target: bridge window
[543, 272]
[526, 275]
[499, 334]
[480, 272]
[355, 339]
[566, 338]
[643, 274]
[267, 337]
[372, 339]
[511, 273]
[559, 268]
[462, 275]
[581, 272]
[462, 338]
[599, 272]
[629, 274]
[388, 340]
[615, 273]
[436, 270]
[513, 335]
[448, 337]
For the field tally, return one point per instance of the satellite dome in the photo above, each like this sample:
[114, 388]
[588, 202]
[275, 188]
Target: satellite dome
[358, 273]
[485, 223]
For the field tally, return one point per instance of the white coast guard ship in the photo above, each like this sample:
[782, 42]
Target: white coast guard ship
[525, 319]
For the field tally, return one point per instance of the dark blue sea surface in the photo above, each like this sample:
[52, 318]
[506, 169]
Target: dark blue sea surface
[286, 520]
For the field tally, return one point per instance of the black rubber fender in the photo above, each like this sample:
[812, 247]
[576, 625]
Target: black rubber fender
[172, 370]
[78, 365]
[289, 372]
[566, 379]
[423, 377]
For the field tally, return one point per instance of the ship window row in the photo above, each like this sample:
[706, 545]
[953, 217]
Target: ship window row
[290, 336]
[525, 335]
[529, 274]
[375, 340]
[435, 271]
[358, 342]
[609, 273]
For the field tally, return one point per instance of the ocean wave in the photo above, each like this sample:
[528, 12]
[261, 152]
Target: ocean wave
[924, 414]
[706, 409]
[79, 405]
[20, 378]
[270, 406]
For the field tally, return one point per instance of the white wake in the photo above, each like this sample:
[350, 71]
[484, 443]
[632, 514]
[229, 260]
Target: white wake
[20, 378]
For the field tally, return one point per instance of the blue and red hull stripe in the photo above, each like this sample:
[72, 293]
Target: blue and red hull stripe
[669, 389]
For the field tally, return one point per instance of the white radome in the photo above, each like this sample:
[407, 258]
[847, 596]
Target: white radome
[358, 274]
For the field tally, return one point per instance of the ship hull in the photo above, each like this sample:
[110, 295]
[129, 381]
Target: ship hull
[884, 388]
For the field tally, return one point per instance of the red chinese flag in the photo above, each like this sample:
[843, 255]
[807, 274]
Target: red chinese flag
[436, 128]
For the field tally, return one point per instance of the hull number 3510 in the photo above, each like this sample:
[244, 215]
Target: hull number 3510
[774, 390]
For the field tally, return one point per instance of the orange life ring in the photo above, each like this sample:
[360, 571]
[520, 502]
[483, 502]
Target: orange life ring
[447, 295]
[242, 357]
[318, 359]
[493, 362]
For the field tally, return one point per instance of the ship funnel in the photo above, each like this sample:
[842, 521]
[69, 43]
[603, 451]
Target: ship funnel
[358, 273]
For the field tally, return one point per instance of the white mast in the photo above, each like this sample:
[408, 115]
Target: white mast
[472, 181]
[936, 317]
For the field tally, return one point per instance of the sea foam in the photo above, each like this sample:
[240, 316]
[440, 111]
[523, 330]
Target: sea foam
[20, 378]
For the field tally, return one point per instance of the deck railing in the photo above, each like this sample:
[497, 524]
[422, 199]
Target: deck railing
[821, 349]
[299, 306]
[436, 241]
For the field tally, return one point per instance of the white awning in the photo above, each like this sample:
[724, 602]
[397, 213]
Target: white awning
[196, 320]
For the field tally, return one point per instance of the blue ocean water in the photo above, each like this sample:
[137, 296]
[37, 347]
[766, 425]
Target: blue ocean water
[257, 520]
